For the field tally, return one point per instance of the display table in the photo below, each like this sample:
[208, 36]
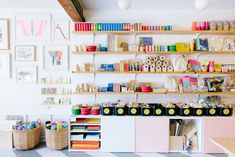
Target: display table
[227, 144]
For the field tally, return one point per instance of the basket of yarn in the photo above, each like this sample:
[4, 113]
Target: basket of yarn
[56, 135]
[26, 135]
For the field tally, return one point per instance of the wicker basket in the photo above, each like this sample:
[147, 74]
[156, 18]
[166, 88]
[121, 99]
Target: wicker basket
[57, 139]
[26, 139]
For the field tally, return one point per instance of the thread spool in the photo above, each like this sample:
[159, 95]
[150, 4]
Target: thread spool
[164, 69]
[149, 58]
[149, 62]
[155, 59]
[162, 58]
[145, 68]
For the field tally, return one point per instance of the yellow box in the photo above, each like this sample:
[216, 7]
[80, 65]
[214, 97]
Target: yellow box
[182, 47]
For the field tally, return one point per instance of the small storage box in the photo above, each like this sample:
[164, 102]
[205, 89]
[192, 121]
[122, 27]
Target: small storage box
[198, 111]
[211, 112]
[158, 110]
[170, 111]
[185, 111]
[107, 111]
[133, 111]
[146, 111]
[120, 111]
[225, 111]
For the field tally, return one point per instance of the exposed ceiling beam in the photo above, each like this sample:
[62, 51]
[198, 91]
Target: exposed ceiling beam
[73, 9]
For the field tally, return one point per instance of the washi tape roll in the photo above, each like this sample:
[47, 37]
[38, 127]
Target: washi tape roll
[162, 58]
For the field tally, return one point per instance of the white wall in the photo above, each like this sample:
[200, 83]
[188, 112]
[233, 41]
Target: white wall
[26, 98]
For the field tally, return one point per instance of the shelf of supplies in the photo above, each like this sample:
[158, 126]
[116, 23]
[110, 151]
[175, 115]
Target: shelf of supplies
[86, 131]
[142, 72]
[54, 83]
[147, 53]
[158, 32]
[76, 124]
[90, 140]
[149, 93]
[55, 94]
[55, 104]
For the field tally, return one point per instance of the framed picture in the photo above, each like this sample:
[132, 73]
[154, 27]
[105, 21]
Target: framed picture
[35, 27]
[26, 74]
[56, 57]
[25, 53]
[4, 34]
[5, 67]
[60, 30]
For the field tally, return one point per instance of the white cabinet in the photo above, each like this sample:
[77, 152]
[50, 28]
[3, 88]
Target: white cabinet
[118, 134]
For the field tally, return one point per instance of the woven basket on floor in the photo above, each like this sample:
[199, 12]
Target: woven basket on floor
[26, 139]
[57, 139]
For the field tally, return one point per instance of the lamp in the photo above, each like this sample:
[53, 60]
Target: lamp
[201, 4]
[124, 4]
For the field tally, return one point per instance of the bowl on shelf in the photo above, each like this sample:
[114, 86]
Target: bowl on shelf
[211, 112]
[146, 89]
[76, 110]
[198, 111]
[133, 111]
[91, 48]
[225, 111]
[185, 111]
[107, 110]
[95, 110]
[85, 110]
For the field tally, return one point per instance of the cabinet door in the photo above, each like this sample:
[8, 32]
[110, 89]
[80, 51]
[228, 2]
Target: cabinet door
[118, 134]
[217, 127]
[152, 134]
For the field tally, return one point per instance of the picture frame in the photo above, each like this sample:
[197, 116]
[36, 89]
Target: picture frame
[25, 53]
[4, 34]
[5, 66]
[56, 57]
[33, 27]
[26, 74]
[60, 30]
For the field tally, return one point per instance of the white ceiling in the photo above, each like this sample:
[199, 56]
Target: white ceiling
[112, 4]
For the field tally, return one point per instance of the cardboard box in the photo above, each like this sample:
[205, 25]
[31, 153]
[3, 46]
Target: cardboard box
[176, 143]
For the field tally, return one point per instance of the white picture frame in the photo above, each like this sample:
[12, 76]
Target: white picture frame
[25, 53]
[56, 57]
[33, 27]
[4, 34]
[60, 30]
[5, 66]
[26, 74]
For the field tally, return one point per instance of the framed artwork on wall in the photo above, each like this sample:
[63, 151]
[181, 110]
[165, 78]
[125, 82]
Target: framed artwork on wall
[60, 30]
[4, 34]
[5, 66]
[26, 74]
[25, 53]
[56, 57]
[35, 27]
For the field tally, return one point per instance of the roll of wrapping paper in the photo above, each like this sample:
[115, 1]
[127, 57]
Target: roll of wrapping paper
[149, 58]
[159, 63]
[170, 69]
[155, 59]
[158, 69]
[164, 69]
[165, 63]
[171, 48]
[162, 58]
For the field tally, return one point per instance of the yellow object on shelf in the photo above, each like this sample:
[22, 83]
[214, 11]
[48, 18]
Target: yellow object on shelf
[182, 47]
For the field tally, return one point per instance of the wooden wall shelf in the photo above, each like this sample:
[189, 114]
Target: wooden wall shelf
[157, 32]
[148, 53]
[141, 72]
[156, 93]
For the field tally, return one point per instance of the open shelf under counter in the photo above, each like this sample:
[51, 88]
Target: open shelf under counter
[155, 52]
[142, 72]
[178, 32]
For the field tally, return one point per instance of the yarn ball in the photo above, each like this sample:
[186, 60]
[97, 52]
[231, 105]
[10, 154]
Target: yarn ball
[53, 127]
[30, 126]
[65, 125]
[34, 124]
[59, 126]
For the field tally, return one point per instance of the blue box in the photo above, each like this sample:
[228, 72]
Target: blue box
[103, 89]
[110, 67]
[110, 87]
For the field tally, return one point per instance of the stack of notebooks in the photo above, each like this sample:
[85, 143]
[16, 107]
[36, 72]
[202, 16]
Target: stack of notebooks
[92, 136]
[77, 137]
[86, 145]
[93, 128]
[93, 120]
[78, 128]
